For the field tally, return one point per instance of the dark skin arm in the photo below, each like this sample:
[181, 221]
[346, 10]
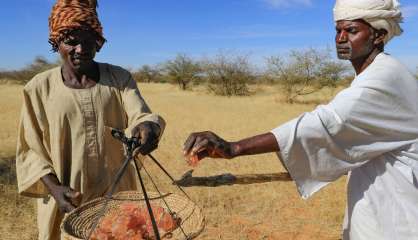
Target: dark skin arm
[208, 144]
[65, 197]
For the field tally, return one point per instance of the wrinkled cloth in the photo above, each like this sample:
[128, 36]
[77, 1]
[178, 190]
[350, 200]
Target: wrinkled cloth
[67, 15]
[380, 14]
[67, 132]
[369, 130]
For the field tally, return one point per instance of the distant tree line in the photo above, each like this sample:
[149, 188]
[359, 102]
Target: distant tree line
[23, 75]
[301, 72]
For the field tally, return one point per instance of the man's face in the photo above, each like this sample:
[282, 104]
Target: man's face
[78, 49]
[354, 39]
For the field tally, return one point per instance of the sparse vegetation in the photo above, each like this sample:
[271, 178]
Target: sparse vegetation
[301, 72]
[304, 72]
[148, 74]
[228, 75]
[182, 71]
[25, 74]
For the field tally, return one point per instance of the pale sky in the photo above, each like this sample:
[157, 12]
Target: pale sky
[153, 31]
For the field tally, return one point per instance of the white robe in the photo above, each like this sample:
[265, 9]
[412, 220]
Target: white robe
[371, 131]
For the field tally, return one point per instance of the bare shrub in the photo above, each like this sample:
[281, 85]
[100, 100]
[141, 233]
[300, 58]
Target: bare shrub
[148, 74]
[228, 75]
[182, 71]
[304, 72]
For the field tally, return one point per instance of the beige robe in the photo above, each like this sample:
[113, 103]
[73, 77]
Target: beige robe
[65, 131]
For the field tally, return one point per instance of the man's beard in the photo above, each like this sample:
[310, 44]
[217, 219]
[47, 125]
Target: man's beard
[344, 51]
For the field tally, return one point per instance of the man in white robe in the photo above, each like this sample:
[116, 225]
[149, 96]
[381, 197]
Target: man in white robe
[369, 130]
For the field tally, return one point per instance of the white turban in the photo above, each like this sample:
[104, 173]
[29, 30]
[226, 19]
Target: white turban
[380, 14]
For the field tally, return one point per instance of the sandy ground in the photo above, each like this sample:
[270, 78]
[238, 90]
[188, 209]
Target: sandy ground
[258, 211]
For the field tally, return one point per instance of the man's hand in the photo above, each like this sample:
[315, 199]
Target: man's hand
[207, 144]
[148, 134]
[66, 198]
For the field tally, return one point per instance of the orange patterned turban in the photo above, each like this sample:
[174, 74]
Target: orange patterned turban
[68, 15]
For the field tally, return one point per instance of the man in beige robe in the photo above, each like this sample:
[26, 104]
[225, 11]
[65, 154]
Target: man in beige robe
[66, 154]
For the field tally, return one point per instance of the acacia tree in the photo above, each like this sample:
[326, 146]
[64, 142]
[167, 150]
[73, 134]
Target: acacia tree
[147, 74]
[304, 72]
[228, 75]
[182, 71]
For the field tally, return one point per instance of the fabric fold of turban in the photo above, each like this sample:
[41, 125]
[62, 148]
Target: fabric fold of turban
[380, 14]
[67, 15]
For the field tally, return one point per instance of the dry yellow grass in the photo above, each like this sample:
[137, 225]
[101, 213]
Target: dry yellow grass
[17, 219]
[10, 105]
[258, 211]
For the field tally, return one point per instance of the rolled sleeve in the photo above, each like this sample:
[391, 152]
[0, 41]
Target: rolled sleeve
[297, 166]
[357, 126]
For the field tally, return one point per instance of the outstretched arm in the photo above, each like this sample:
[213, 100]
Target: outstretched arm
[263, 143]
[208, 144]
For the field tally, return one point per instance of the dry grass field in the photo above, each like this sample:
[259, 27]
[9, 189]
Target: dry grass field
[258, 211]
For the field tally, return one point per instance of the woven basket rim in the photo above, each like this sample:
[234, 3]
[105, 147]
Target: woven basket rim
[196, 213]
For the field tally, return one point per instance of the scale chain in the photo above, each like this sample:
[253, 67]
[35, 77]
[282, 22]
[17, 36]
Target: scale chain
[130, 145]
[151, 214]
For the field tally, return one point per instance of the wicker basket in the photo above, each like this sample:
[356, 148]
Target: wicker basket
[77, 224]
